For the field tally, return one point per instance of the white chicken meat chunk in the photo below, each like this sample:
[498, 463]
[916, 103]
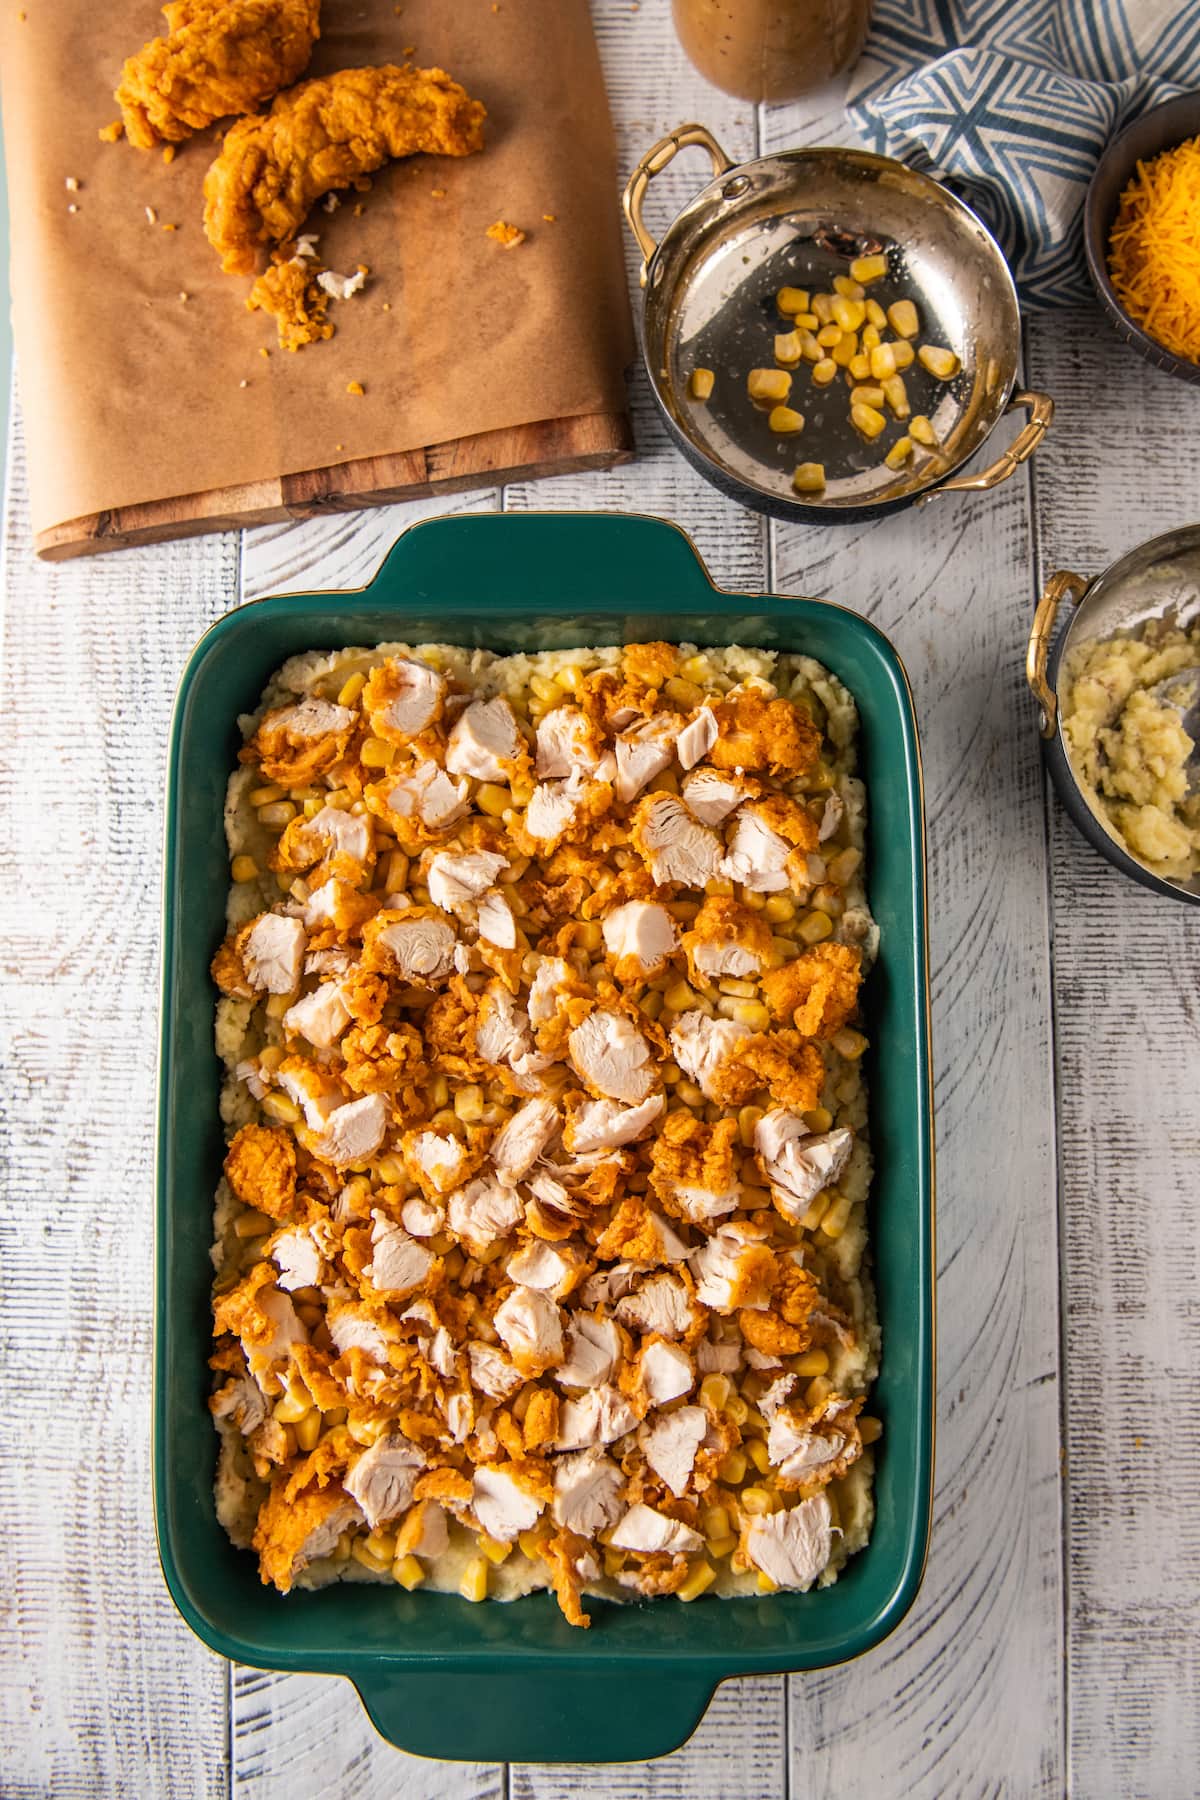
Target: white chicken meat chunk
[798, 1163]
[667, 1373]
[312, 718]
[492, 1372]
[603, 1125]
[353, 1132]
[437, 1158]
[433, 1536]
[715, 1358]
[643, 752]
[455, 881]
[539, 1265]
[831, 817]
[660, 1306]
[321, 1016]
[756, 856]
[610, 1055]
[717, 1269]
[601, 1415]
[551, 811]
[697, 738]
[485, 741]
[701, 1045]
[353, 1327]
[675, 845]
[243, 1403]
[382, 1478]
[593, 1350]
[671, 1443]
[427, 793]
[399, 1263]
[286, 1329]
[521, 1140]
[495, 922]
[502, 1034]
[335, 832]
[651, 1533]
[417, 700]
[792, 1547]
[587, 1492]
[483, 1211]
[552, 974]
[317, 1093]
[641, 935]
[297, 1258]
[566, 745]
[422, 950]
[529, 1326]
[800, 1453]
[273, 953]
[711, 796]
[422, 1218]
[502, 1506]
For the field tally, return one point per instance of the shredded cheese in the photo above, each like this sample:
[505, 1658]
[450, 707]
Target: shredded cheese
[1154, 249]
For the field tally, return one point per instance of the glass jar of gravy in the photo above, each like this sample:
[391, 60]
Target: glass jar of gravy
[771, 49]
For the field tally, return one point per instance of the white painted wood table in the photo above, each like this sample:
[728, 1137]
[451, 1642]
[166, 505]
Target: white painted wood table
[1054, 1646]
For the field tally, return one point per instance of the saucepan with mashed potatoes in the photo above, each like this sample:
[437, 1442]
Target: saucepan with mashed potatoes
[1119, 692]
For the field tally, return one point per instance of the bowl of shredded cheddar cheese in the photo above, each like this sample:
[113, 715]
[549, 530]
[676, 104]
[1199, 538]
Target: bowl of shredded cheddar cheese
[1142, 235]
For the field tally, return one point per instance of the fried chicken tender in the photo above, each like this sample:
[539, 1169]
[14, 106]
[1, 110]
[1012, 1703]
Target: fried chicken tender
[291, 294]
[320, 136]
[764, 734]
[818, 992]
[221, 57]
[261, 1169]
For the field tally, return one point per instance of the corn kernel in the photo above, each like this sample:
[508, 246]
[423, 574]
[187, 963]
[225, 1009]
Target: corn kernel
[736, 1409]
[495, 1551]
[746, 1012]
[263, 796]
[700, 1577]
[252, 1224]
[859, 367]
[396, 872]
[748, 1118]
[814, 926]
[785, 421]
[680, 997]
[870, 338]
[474, 1582]
[765, 1585]
[375, 754]
[758, 1453]
[715, 1391]
[902, 317]
[849, 314]
[614, 1562]
[867, 420]
[531, 1540]
[718, 886]
[869, 268]
[812, 1362]
[883, 362]
[308, 1430]
[732, 1468]
[805, 321]
[736, 989]
[819, 1119]
[822, 305]
[382, 1544]
[787, 348]
[921, 431]
[468, 1104]
[408, 1572]
[847, 288]
[829, 335]
[279, 813]
[941, 363]
[816, 1212]
[903, 354]
[869, 1429]
[899, 453]
[843, 353]
[759, 1500]
[690, 1094]
[688, 693]
[243, 868]
[792, 300]
[876, 315]
[493, 800]
[361, 1554]
[779, 908]
[896, 395]
[868, 395]
[809, 478]
[810, 350]
[438, 1091]
[714, 1521]
[351, 688]
[701, 384]
[767, 387]
[721, 1546]
[825, 371]
[849, 1043]
[281, 1108]
[817, 1391]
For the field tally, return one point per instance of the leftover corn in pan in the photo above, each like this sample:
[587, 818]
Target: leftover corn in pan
[540, 1248]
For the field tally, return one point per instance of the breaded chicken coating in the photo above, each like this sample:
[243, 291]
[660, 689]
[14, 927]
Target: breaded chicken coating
[319, 137]
[221, 57]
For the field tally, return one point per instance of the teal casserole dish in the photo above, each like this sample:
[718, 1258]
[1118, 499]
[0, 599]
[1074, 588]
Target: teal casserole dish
[439, 1676]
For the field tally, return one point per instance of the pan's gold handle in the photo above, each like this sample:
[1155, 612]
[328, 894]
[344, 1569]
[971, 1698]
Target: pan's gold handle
[652, 164]
[1041, 412]
[1060, 585]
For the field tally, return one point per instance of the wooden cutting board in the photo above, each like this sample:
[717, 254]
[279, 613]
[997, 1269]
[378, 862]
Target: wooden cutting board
[519, 453]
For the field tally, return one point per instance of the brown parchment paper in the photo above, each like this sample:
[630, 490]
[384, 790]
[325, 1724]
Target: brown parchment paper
[131, 393]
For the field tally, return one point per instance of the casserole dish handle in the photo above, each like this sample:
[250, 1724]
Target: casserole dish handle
[555, 1713]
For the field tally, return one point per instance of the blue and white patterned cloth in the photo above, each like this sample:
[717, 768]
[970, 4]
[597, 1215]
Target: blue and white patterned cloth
[1010, 102]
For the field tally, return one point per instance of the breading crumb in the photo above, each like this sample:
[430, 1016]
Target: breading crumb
[151, 216]
[550, 218]
[170, 228]
[243, 383]
[72, 208]
[507, 236]
[108, 134]
[183, 294]
[439, 193]
[331, 203]
[168, 154]
[355, 387]
[72, 184]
